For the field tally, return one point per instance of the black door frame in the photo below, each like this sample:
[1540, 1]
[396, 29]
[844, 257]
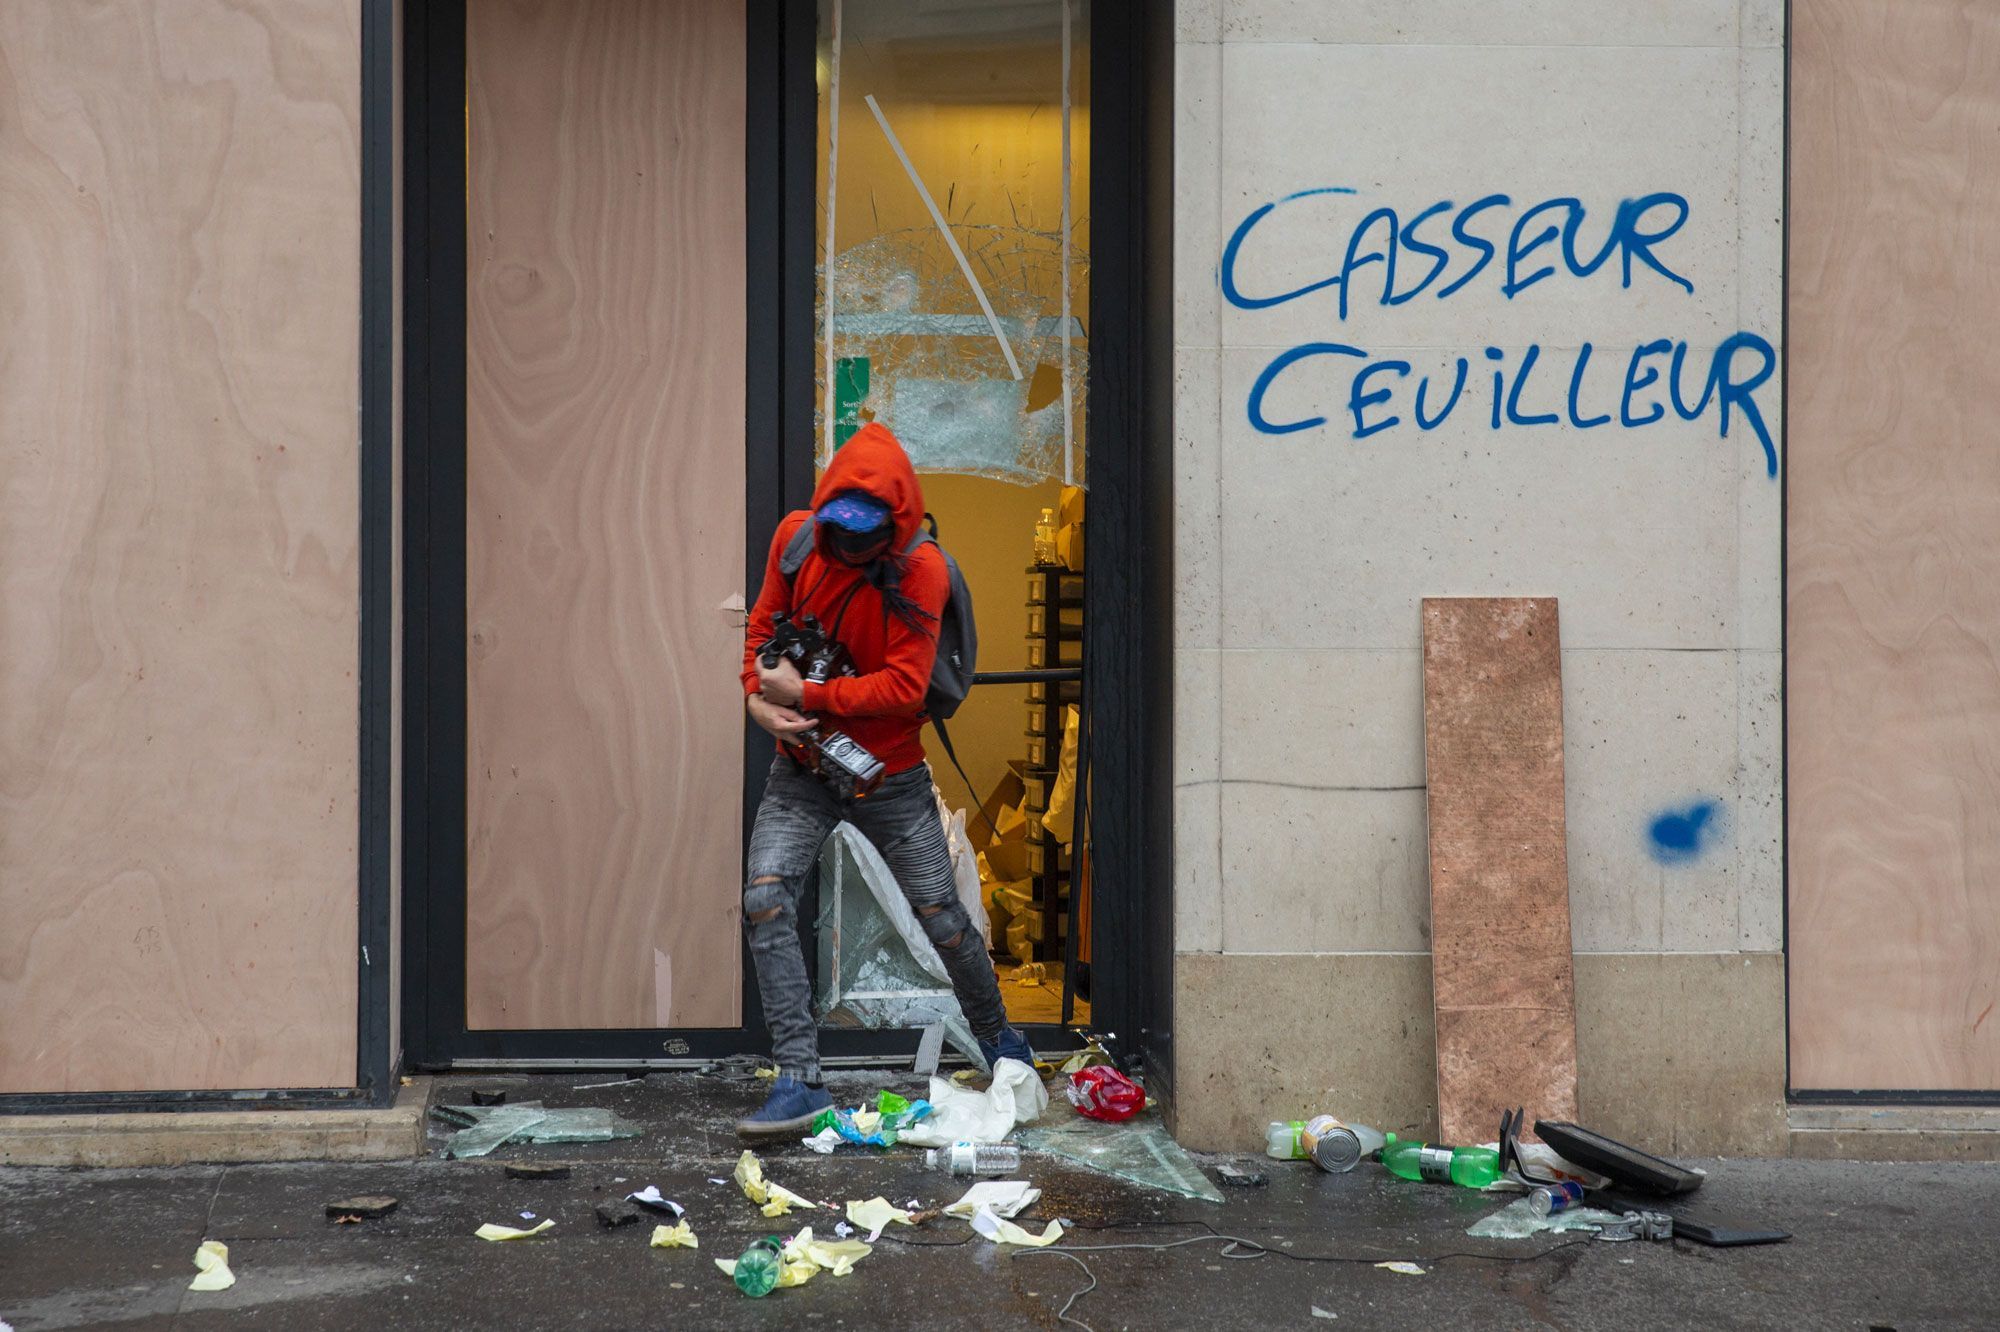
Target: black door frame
[1128, 644]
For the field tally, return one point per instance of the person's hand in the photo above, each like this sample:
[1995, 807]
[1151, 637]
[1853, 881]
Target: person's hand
[781, 683]
[780, 721]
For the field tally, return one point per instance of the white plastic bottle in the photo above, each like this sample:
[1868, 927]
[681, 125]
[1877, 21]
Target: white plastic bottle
[975, 1158]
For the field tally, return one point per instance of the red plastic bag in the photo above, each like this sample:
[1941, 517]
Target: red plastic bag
[1102, 1092]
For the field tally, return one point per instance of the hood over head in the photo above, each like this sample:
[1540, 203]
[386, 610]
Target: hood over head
[873, 463]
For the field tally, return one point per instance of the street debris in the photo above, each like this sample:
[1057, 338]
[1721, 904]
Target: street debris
[876, 1213]
[959, 1114]
[614, 1216]
[974, 1158]
[1323, 1313]
[367, 1206]
[680, 1236]
[1002, 1231]
[1240, 1179]
[773, 1264]
[1102, 1092]
[489, 1231]
[650, 1197]
[1002, 1197]
[879, 1127]
[774, 1198]
[534, 1170]
[1407, 1269]
[486, 1098]
[1520, 1220]
[211, 1261]
[481, 1129]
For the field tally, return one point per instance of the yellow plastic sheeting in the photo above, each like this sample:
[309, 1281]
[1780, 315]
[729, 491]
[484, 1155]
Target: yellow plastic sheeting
[489, 1231]
[775, 1199]
[675, 1237]
[212, 1260]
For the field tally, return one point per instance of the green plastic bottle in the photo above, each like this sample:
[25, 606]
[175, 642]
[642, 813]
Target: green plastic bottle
[757, 1270]
[1472, 1167]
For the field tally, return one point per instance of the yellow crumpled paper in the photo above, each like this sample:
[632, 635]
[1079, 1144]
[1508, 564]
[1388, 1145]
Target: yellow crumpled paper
[675, 1237]
[775, 1199]
[212, 1258]
[489, 1231]
[806, 1257]
[876, 1213]
[1002, 1231]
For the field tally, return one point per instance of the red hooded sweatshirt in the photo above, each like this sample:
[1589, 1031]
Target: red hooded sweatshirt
[882, 707]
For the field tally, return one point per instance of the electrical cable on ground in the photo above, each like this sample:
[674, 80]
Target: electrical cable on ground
[1241, 1249]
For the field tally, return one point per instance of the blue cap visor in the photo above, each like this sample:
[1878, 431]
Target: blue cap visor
[855, 513]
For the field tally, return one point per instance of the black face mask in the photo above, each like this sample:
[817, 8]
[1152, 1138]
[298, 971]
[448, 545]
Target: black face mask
[858, 547]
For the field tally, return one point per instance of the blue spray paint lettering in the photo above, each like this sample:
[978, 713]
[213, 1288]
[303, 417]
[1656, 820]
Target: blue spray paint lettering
[1544, 241]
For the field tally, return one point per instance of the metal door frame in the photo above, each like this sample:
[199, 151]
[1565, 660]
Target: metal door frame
[1128, 647]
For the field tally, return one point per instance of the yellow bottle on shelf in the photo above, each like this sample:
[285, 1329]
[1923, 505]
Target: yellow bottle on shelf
[1045, 539]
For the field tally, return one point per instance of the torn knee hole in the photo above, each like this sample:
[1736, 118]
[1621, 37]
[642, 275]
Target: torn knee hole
[954, 941]
[765, 878]
[929, 911]
[759, 917]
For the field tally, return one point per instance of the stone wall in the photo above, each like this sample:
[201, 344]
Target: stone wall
[1381, 202]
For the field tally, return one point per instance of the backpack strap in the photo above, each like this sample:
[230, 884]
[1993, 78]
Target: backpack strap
[800, 546]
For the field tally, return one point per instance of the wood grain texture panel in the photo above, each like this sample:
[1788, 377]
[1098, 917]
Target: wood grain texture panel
[179, 238]
[1501, 972]
[605, 512]
[1893, 545]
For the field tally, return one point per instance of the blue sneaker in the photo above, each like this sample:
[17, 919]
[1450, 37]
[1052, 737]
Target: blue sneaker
[788, 1110]
[1011, 1045]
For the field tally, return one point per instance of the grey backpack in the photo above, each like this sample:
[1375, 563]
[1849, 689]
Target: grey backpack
[957, 637]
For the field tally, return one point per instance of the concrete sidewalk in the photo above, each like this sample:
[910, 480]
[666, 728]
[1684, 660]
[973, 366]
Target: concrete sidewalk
[1876, 1245]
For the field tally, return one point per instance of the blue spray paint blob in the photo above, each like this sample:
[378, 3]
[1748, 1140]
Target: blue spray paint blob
[1680, 835]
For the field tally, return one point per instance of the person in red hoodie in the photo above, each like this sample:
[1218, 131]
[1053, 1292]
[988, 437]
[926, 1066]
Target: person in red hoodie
[881, 597]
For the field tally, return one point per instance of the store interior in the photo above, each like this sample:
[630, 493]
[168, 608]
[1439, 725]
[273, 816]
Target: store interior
[952, 307]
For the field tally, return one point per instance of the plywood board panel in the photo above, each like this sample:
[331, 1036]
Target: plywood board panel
[605, 512]
[179, 241]
[1500, 943]
[1893, 545]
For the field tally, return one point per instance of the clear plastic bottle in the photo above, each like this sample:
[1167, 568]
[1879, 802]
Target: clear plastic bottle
[757, 1270]
[975, 1158]
[1282, 1141]
[1045, 539]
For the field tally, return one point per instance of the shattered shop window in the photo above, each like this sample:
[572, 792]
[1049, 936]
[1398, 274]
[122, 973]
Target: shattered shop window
[954, 260]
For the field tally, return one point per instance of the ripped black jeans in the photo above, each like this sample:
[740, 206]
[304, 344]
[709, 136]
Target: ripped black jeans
[901, 819]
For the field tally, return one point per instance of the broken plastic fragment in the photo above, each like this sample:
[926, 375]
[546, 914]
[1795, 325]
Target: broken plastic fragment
[1323, 1313]
[876, 1213]
[679, 1236]
[959, 1114]
[491, 1127]
[877, 967]
[1002, 1197]
[1518, 1220]
[1138, 1151]
[212, 1262]
[1407, 1269]
[837, 1256]
[775, 1199]
[1002, 1231]
[489, 1231]
[650, 1197]
[823, 1141]
[486, 1127]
